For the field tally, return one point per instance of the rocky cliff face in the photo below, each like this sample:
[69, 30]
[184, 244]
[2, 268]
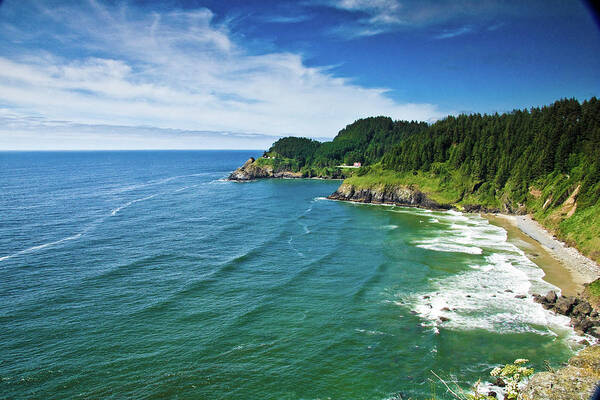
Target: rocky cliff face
[387, 194]
[584, 319]
[575, 381]
[250, 171]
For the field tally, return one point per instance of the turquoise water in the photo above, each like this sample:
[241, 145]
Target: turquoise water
[145, 275]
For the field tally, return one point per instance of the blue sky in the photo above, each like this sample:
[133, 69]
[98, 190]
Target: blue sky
[94, 74]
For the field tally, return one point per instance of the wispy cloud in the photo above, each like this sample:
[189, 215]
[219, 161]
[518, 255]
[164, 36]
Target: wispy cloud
[285, 19]
[372, 17]
[447, 34]
[96, 64]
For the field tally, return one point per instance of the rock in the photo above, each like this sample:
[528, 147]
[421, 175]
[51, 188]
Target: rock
[251, 171]
[581, 324]
[445, 309]
[565, 384]
[595, 331]
[565, 304]
[574, 382]
[551, 297]
[508, 291]
[582, 309]
[444, 319]
[492, 394]
[520, 296]
[500, 382]
[386, 194]
[594, 314]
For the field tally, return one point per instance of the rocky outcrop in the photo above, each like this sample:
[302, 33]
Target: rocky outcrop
[584, 319]
[575, 381]
[251, 171]
[387, 194]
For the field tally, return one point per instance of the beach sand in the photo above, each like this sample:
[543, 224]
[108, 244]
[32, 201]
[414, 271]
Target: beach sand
[564, 266]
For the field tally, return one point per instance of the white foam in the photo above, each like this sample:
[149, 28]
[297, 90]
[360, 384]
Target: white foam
[484, 296]
[373, 332]
[440, 245]
[116, 210]
[41, 246]
[389, 227]
[181, 189]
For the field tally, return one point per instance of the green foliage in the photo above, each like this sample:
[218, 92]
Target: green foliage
[490, 160]
[300, 149]
[594, 288]
[513, 375]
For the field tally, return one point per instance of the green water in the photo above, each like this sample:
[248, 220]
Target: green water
[145, 275]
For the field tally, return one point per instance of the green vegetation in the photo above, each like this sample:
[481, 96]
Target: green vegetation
[544, 161]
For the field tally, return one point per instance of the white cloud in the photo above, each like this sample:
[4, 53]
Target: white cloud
[374, 17]
[174, 70]
[450, 33]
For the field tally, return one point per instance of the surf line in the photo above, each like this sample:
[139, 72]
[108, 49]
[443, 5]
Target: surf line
[116, 210]
[77, 235]
[41, 246]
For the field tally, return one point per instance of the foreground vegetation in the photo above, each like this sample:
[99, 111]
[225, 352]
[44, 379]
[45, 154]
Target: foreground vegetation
[544, 161]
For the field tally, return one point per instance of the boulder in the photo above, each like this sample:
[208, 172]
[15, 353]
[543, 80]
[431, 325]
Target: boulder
[551, 297]
[582, 309]
[564, 305]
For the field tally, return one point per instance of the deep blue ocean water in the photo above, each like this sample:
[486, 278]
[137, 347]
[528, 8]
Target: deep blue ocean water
[146, 275]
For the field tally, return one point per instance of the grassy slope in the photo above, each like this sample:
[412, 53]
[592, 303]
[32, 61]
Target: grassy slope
[581, 230]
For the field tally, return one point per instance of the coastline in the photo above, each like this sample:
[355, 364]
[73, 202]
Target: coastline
[564, 266]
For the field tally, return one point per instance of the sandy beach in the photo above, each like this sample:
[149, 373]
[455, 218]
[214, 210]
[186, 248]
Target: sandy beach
[564, 266]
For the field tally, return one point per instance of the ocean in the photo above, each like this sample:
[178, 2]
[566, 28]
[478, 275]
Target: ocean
[146, 275]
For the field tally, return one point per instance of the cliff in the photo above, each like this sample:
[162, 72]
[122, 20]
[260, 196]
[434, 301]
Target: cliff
[252, 170]
[387, 194]
[576, 380]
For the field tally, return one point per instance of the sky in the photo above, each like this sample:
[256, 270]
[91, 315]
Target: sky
[238, 74]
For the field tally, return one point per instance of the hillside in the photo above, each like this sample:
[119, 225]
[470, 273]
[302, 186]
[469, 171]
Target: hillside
[544, 161]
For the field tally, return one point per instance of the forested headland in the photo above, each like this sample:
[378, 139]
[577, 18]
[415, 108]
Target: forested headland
[544, 161]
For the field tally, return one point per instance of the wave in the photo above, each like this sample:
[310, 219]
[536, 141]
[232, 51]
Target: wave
[116, 210]
[181, 189]
[42, 246]
[493, 293]
[458, 233]
[130, 188]
[77, 235]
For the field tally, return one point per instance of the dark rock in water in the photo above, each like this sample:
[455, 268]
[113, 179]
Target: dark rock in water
[493, 394]
[445, 309]
[595, 331]
[508, 291]
[581, 324]
[520, 296]
[565, 304]
[499, 382]
[444, 319]
[582, 309]
[386, 194]
[426, 297]
[251, 171]
[551, 297]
